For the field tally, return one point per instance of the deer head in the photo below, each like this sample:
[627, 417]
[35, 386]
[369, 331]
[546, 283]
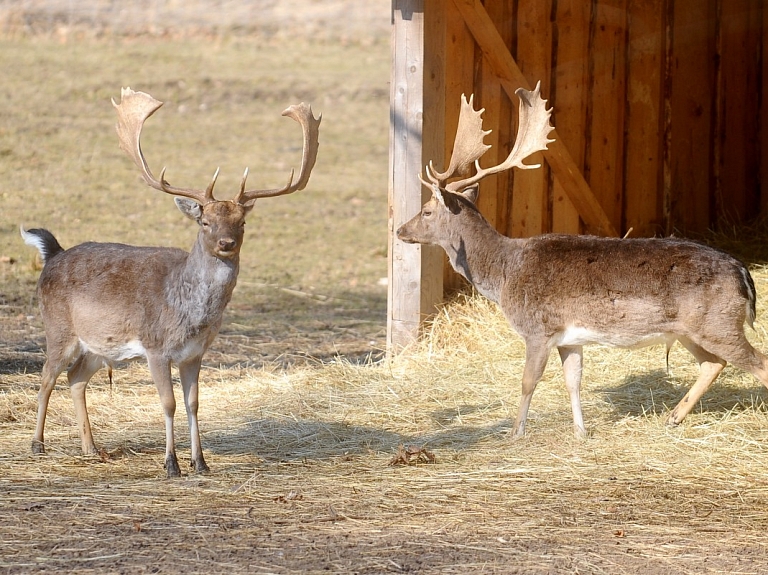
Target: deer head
[455, 191]
[221, 221]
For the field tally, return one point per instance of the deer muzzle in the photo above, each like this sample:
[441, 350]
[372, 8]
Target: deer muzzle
[406, 234]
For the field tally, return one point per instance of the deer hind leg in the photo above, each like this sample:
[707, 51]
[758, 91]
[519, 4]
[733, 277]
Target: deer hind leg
[55, 363]
[710, 366]
[189, 373]
[738, 351]
[572, 368]
[536, 355]
[79, 375]
[160, 368]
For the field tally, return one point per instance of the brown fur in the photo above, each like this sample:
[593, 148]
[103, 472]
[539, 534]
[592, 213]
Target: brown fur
[103, 303]
[568, 291]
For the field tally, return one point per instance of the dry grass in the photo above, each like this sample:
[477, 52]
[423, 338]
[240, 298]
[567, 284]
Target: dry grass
[299, 440]
[302, 480]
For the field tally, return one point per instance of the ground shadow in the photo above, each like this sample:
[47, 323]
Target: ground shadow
[287, 440]
[657, 393]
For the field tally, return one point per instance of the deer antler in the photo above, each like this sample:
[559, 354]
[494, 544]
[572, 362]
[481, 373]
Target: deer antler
[532, 131]
[302, 113]
[132, 112]
[468, 146]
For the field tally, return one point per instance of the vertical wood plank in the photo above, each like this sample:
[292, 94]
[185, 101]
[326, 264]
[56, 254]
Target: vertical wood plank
[434, 260]
[530, 192]
[604, 170]
[459, 79]
[569, 100]
[737, 182]
[488, 95]
[501, 114]
[412, 285]
[763, 116]
[690, 88]
[643, 182]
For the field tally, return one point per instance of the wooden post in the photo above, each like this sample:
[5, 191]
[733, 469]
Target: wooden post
[415, 272]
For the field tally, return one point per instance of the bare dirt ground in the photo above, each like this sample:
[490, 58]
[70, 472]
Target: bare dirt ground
[307, 432]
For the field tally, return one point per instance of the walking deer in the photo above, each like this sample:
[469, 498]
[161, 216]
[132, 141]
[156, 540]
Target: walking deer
[103, 303]
[568, 291]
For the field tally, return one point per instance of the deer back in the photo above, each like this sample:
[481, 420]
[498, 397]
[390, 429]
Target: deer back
[624, 291]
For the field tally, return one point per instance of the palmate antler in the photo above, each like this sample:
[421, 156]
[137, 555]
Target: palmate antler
[532, 136]
[136, 107]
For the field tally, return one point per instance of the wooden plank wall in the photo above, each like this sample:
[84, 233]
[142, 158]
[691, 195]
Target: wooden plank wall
[657, 101]
[415, 272]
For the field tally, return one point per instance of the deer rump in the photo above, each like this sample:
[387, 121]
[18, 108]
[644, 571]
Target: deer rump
[579, 290]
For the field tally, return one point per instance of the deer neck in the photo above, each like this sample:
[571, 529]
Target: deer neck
[204, 286]
[479, 253]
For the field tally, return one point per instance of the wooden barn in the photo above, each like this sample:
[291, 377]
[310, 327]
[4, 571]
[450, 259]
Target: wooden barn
[660, 110]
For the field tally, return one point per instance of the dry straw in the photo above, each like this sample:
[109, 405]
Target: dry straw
[303, 481]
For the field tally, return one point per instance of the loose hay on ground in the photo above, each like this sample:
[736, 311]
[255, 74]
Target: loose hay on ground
[301, 480]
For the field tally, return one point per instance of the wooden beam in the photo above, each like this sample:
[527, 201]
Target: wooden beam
[415, 271]
[511, 78]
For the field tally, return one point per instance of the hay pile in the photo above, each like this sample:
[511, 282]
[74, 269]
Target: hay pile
[308, 474]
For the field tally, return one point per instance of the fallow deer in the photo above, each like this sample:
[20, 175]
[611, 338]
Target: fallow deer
[103, 303]
[567, 291]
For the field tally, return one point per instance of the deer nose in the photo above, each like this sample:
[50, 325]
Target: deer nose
[227, 244]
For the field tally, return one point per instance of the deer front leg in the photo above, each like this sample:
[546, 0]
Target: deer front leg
[189, 373]
[572, 358]
[536, 355]
[160, 368]
[79, 375]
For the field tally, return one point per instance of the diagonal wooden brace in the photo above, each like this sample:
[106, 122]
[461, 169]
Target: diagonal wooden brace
[511, 78]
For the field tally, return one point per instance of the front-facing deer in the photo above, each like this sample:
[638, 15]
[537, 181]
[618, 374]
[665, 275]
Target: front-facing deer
[569, 291]
[103, 303]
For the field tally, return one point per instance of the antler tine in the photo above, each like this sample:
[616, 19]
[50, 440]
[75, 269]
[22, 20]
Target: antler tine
[425, 183]
[532, 136]
[429, 169]
[239, 195]
[132, 112]
[302, 113]
[468, 146]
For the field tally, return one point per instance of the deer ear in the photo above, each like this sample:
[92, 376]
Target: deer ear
[248, 206]
[471, 193]
[189, 208]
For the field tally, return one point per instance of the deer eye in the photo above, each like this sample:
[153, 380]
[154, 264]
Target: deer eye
[426, 213]
[205, 224]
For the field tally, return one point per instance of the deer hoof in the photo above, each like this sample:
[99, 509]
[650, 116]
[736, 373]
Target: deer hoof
[200, 466]
[172, 466]
[38, 447]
